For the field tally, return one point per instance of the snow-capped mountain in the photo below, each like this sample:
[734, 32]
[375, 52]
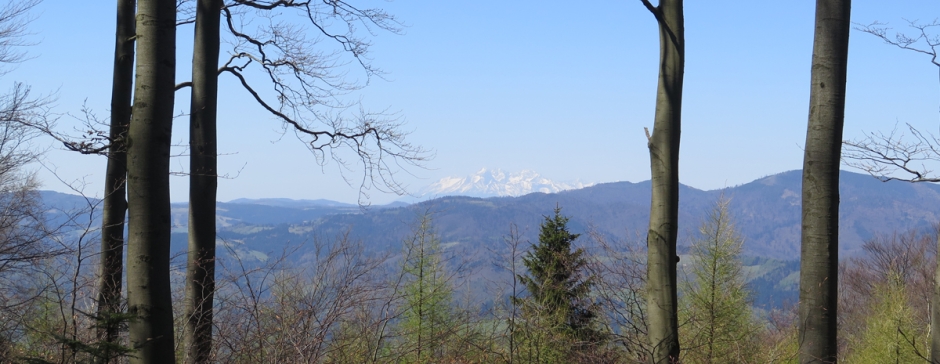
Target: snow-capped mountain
[491, 183]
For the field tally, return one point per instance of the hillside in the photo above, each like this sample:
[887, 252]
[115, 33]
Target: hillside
[767, 212]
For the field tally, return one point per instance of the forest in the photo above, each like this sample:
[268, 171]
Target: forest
[99, 283]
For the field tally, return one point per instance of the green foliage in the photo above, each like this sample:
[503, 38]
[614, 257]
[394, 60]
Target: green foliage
[718, 320]
[352, 342]
[428, 294]
[47, 336]
[779, 347]
[891, 333]
[558, 313]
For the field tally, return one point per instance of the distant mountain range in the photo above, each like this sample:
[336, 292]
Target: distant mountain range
[766, 212]
[496, 183]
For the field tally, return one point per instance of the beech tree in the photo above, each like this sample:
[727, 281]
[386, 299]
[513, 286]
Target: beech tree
[148, 185]
[203, 183]
[819, 258]
[662, 300]
[114, 203]
[305, 84]
[306, 87]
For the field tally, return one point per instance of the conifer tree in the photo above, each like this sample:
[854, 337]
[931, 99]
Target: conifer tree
[717, 313]
[559, 286]
[428, 295]
[892, 333]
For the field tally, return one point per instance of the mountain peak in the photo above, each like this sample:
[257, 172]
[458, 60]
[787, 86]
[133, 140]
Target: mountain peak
[496, 182]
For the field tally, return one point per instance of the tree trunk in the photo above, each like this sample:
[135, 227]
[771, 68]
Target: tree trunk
[115, 203]
[664, 163]
[148, 183]
[819, 261]
[200, 262]
[935, 312]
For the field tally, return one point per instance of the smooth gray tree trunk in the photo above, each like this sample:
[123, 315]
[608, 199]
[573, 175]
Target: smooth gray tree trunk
[114, 204]
[819, 259]
[148, 185]
[935, 313]
[662, 300]
[200, 265]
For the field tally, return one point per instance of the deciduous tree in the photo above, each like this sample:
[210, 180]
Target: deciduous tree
[306, 85]
[114, 203]
[885, 299]
[884, 155]
[203, 182]
[819, 258]
[662, 300]
[148, 185]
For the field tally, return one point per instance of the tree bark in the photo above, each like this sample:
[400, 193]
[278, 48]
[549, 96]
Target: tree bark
[115, 203]
[200, 265]
[819, 261]
[148, 183]
[664, 164]
[935, 312]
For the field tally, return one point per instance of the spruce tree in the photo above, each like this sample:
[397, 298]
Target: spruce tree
[559, 285]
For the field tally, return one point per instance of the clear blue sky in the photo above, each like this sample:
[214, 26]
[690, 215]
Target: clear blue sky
[562, 88]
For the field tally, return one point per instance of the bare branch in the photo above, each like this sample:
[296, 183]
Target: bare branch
[183, 85]
[307, 84]
[922, 42]
[13, 22]
[885, 155]
[649, 6]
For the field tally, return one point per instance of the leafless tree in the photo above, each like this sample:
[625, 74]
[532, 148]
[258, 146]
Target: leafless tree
[898, 156]
[507, 259]
[14, 18]
[23, 234]
[904, 260]
[306, 84]
[305, 81]
[621, 269]
[662, 299]
[292, 312]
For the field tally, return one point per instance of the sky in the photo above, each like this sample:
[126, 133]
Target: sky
[561, 88]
